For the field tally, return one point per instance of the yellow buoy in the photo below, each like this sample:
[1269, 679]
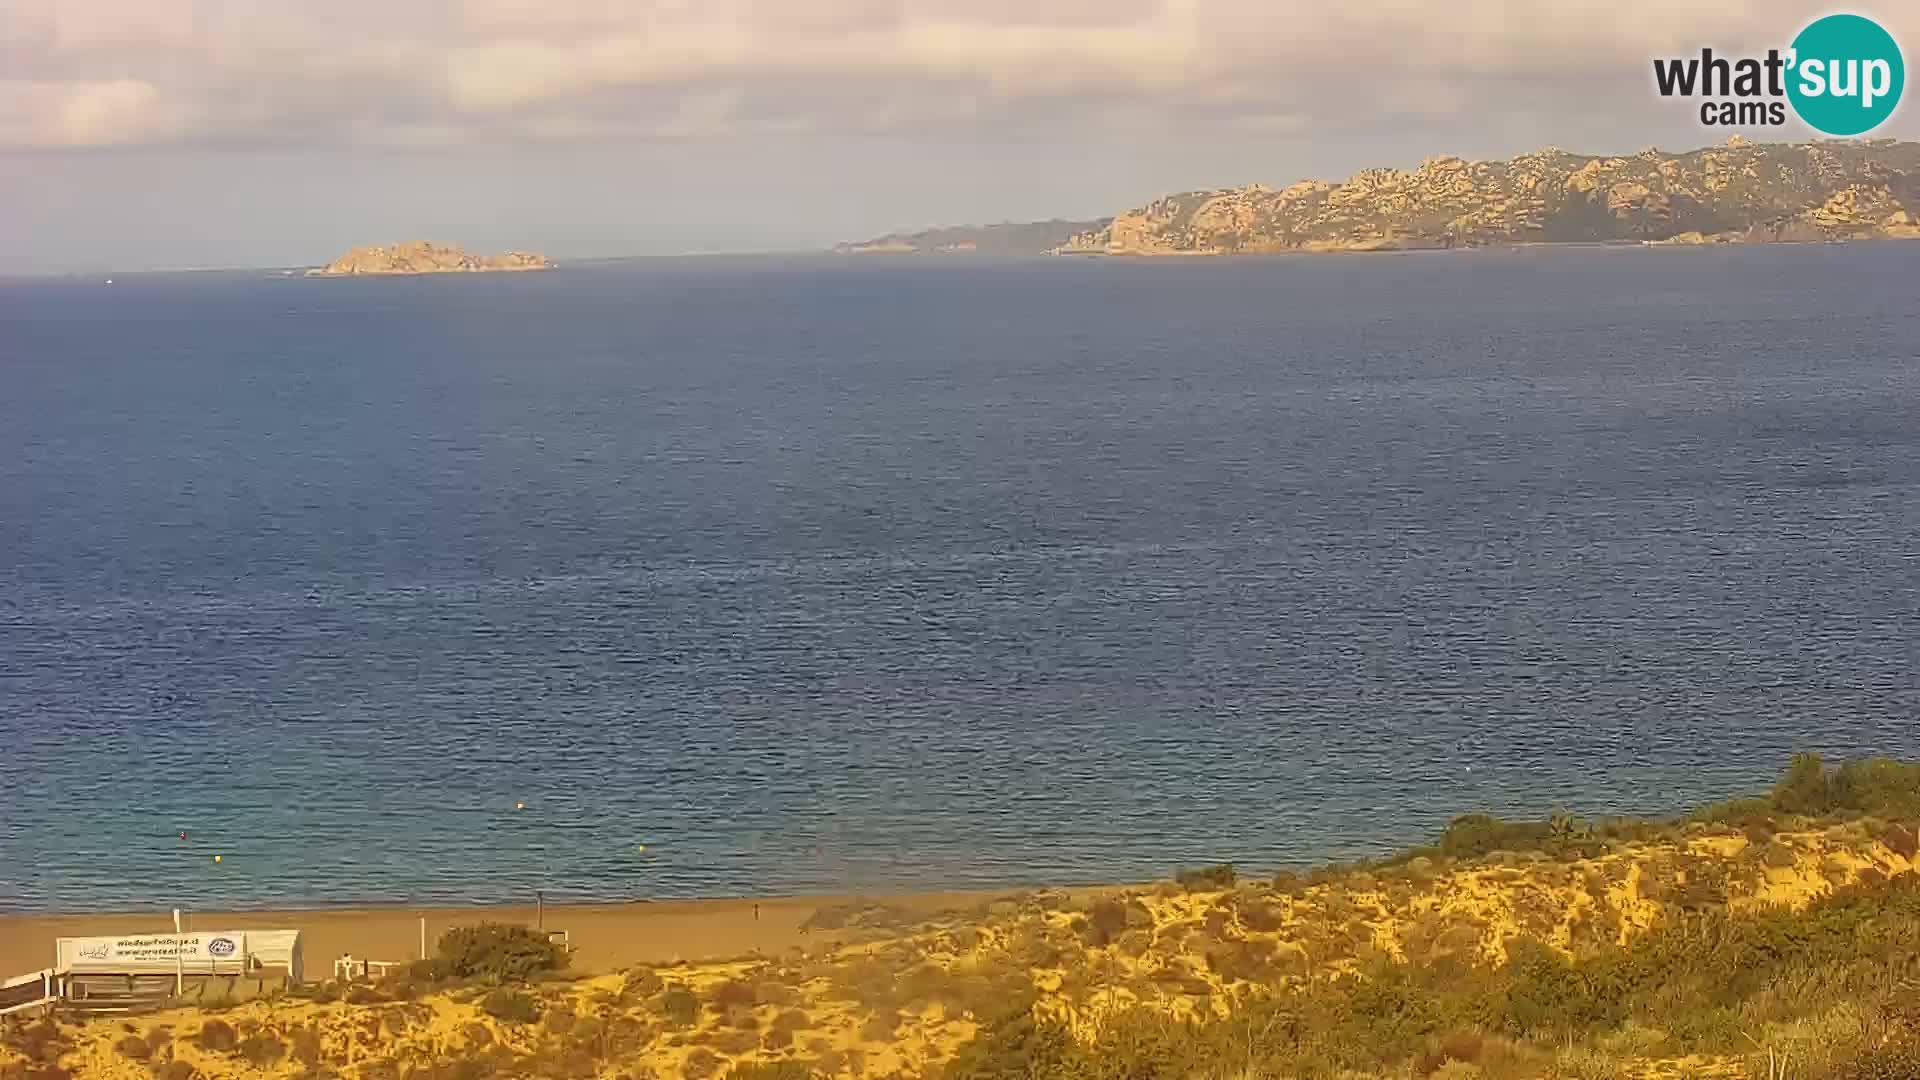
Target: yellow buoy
[643, 849]
[216, 858]
[519, 806]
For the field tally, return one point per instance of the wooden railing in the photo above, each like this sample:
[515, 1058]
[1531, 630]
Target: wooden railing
[18, 994]
[349, 968]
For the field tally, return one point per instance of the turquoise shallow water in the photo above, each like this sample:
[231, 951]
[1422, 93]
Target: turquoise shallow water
[820, 575]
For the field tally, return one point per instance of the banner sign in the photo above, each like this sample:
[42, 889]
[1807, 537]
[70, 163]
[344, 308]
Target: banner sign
[137, 952]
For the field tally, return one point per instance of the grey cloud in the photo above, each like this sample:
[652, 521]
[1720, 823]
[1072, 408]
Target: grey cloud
[91, 73]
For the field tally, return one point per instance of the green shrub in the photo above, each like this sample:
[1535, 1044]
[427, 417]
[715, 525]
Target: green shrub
[1779, 856]
[1288, 883]
[560, 1019]
[1369, 1018]
[406, 1016]
[1545, 994]
[1880, 787]
[330, 990]
[1703, 886]
[1014, 1044]
[769, 992]
[513, 1006]
[1474, 836]
[499, 952]
[263, 1051]
[624, 1036]
[1249, 961]
[1261, 917]
[1217, 878]
[860, 915]
[734, 992]
[641, 982]
[216, 1036]
[1106, 920]
[680, 1005]
[1804, 789]
[1134, 943]
[872, 981]
[434, 969]
[40, 1041]
[1739, 813]
[306, 1047]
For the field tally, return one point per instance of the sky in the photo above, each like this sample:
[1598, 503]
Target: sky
[145, 134]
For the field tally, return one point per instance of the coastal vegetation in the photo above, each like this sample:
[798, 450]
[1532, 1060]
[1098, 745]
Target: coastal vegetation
[1770, 937]
[493, 952]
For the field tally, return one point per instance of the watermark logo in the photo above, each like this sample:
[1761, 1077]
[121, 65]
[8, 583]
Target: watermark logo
[1842, 75]
[1850, 75]
[221, 946]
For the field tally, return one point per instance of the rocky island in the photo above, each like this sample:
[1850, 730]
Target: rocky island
[1738, 192]
[425, 257]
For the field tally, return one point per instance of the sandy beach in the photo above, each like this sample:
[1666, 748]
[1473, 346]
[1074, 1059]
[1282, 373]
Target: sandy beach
[605, 937]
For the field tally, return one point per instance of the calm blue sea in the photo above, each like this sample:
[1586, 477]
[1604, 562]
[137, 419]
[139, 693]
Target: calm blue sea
[823, 575]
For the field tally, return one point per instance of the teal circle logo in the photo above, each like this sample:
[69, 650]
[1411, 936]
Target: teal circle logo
[1846, 75]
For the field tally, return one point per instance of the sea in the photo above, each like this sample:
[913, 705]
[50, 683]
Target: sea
[719, 577]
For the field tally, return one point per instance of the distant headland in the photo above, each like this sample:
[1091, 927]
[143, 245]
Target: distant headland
[426, 257]
[1007, 238]
[1738, 192]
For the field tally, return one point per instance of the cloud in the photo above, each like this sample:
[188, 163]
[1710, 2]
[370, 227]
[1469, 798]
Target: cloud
[101, 114]
[93, 73]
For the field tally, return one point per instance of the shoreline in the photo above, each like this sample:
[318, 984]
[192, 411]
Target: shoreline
[605, 936]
